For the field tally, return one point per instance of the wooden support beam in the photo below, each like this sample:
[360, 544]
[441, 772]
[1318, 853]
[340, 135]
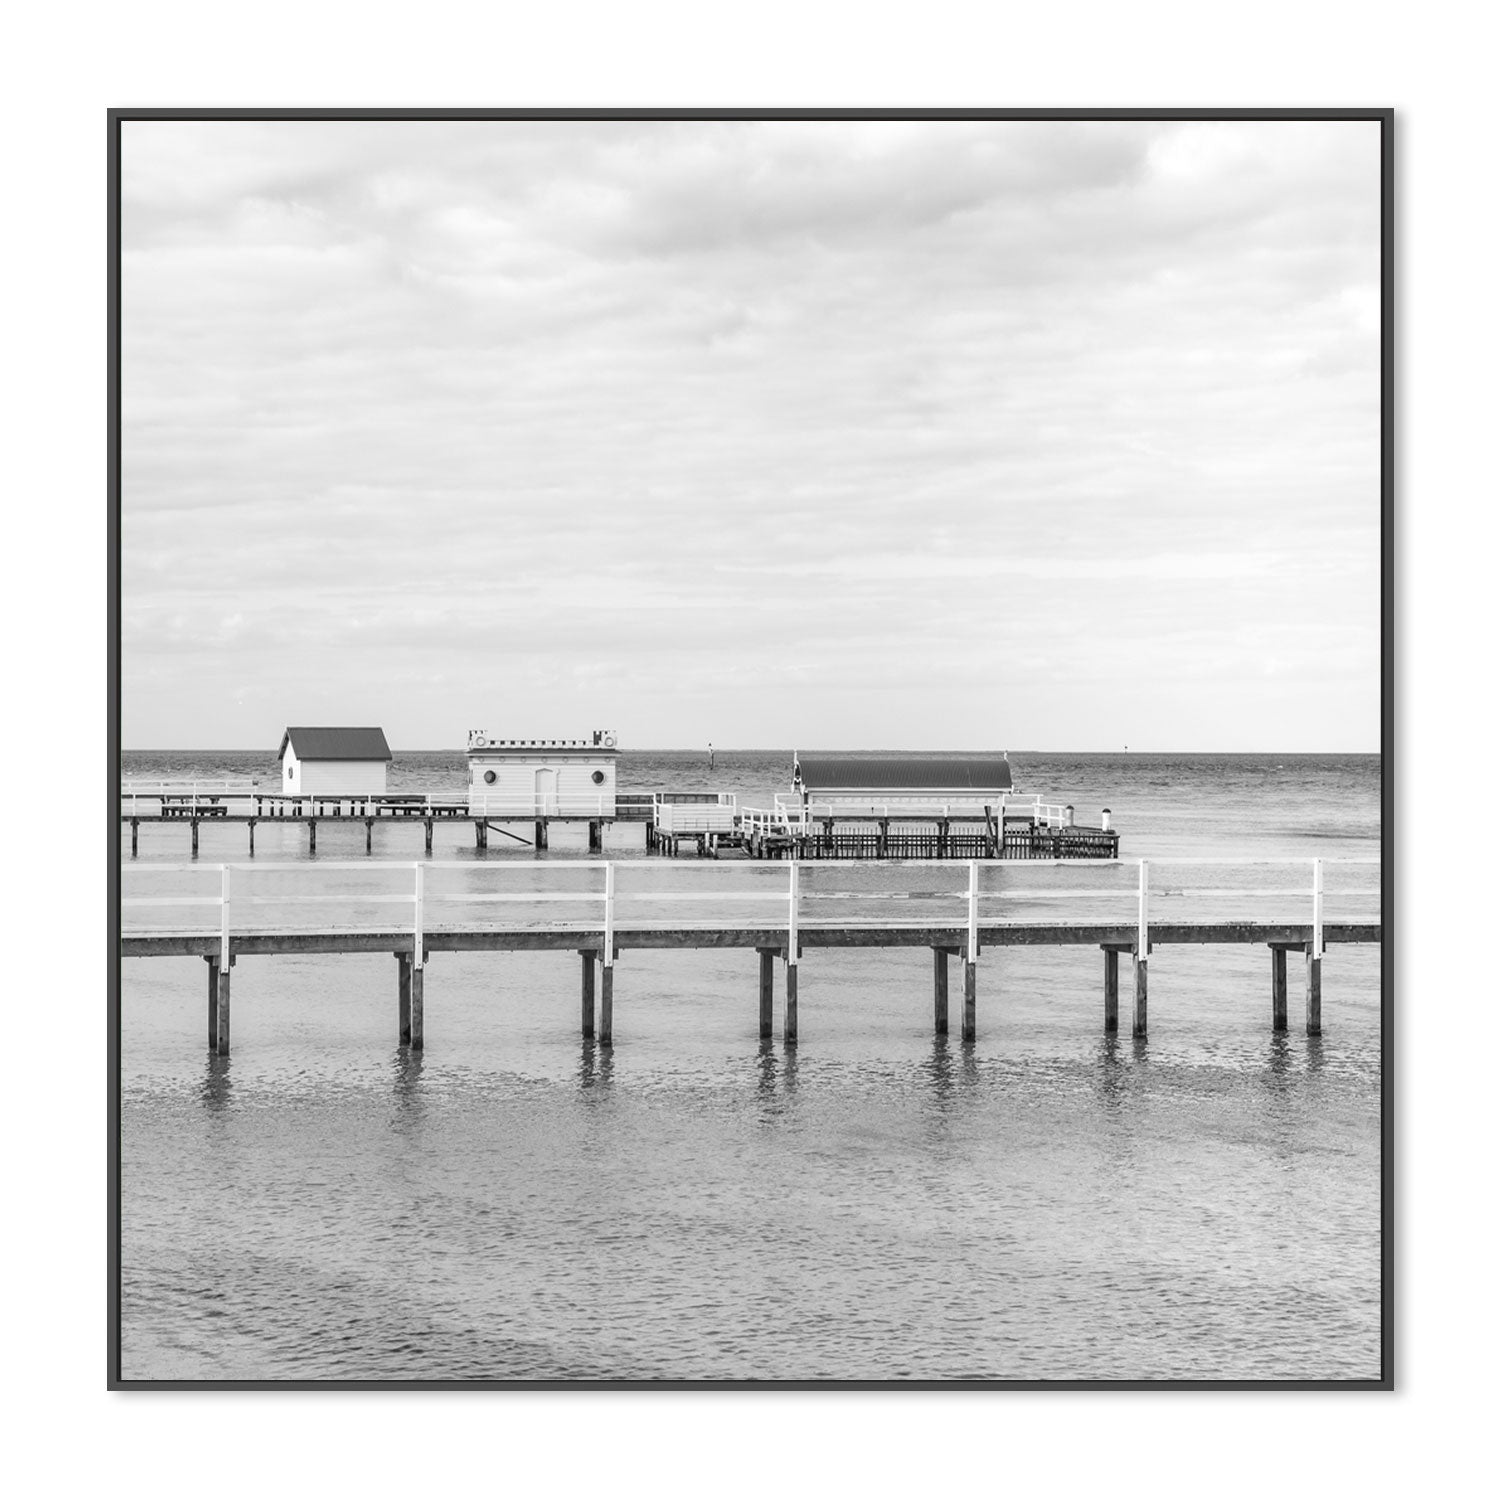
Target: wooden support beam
[195, 837]
[1278, 989]
[369, 835]
[971, 1000]
[590, 958]
[607, 1005]
[418, 974]
[767, 991]
[221, 1031]
[940, 991]
[251, 826]
[312, 835]
[1111, 991]
[403, 998]
[213, 1004]
[428, 823]
[1138, 1024]
[1314, 993]
[135, 833]
[789, 1019]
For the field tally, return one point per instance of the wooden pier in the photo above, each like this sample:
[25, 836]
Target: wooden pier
[978, 928]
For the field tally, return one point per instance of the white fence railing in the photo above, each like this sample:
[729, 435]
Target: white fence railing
[542, 805]
[716, 813]
[791, 814]
[782, 891]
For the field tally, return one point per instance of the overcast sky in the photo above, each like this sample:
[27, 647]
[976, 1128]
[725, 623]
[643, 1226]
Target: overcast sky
[873, 435]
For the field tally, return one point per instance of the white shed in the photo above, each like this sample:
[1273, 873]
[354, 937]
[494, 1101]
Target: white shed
[542, 778]
[334, 762]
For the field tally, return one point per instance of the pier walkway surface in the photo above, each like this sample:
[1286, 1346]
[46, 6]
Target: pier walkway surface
[601, 909]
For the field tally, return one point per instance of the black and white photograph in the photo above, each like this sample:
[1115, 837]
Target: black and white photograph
[751, 748]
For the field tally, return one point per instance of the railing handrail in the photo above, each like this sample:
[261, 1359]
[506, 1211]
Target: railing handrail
[792, 894]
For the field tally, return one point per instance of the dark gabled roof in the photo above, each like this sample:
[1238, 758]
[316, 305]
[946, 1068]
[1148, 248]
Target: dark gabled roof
[891, 773]
[336, 744]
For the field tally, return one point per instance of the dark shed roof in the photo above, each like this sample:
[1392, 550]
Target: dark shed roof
[336, 744]
[937, 773]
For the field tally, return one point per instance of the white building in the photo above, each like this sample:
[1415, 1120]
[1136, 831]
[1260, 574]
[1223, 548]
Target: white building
[542, 778]
[333, 762]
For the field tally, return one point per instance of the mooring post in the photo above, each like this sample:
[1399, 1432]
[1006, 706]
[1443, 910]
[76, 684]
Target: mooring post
[789, 1019]
[589, 959]
[418, 955]
[135, 830]
[1314, 992]
[403, 998]
[767, 990]
[221, 1036]
[607, 978]
[213, 1004]
[940, 991]
[1111, 990]
[418, 972]
[1138, 964]
[1278, 989]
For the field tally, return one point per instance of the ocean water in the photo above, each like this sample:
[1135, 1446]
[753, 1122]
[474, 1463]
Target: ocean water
[875, 1203]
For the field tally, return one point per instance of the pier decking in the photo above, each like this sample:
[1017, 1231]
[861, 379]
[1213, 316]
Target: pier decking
[972, 921]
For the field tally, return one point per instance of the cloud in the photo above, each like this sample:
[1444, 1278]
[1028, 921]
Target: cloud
[594, 400]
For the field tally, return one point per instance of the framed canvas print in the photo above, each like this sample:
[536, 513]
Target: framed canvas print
[750, 748]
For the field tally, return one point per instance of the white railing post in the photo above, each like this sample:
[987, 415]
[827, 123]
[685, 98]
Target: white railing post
[418, 919]
[791, 920]
[223, 919]
[1142, 939]
[973, 911]
[1317, 895]
[609, 915]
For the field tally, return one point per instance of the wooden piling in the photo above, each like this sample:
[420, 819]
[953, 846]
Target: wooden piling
[940, 991]
[789, 1021]
[428, 823]
[403, 998]
[135, 833]
[312, 835]
[589, 959]
[607, 1005]
[195, 838]
[221, 1031]
[1111, 990]
[251, 827]
[1314, 994]
[369, 835]
[1278, 989]
[417, 973]
[971, 1000]
[213, 1005]
[767, 991]
[1138, 963]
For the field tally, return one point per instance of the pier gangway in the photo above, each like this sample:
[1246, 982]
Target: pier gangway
[599, 908]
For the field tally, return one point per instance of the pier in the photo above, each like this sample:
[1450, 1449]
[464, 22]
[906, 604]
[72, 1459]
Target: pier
[987, 915]
[695, 824]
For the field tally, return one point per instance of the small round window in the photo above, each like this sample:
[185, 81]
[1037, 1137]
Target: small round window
[489, 778]
[598, 778]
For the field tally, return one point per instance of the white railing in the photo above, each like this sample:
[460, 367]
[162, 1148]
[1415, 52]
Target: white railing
[969, 909]
[716, 813]
[541, 805]
[189, 794]
[791, 814]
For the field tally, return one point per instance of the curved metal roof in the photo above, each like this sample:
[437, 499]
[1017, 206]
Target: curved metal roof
[907, 773]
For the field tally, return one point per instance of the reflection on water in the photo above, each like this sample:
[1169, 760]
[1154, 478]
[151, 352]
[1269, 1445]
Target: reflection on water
[596, 1069]
[214, 1090]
